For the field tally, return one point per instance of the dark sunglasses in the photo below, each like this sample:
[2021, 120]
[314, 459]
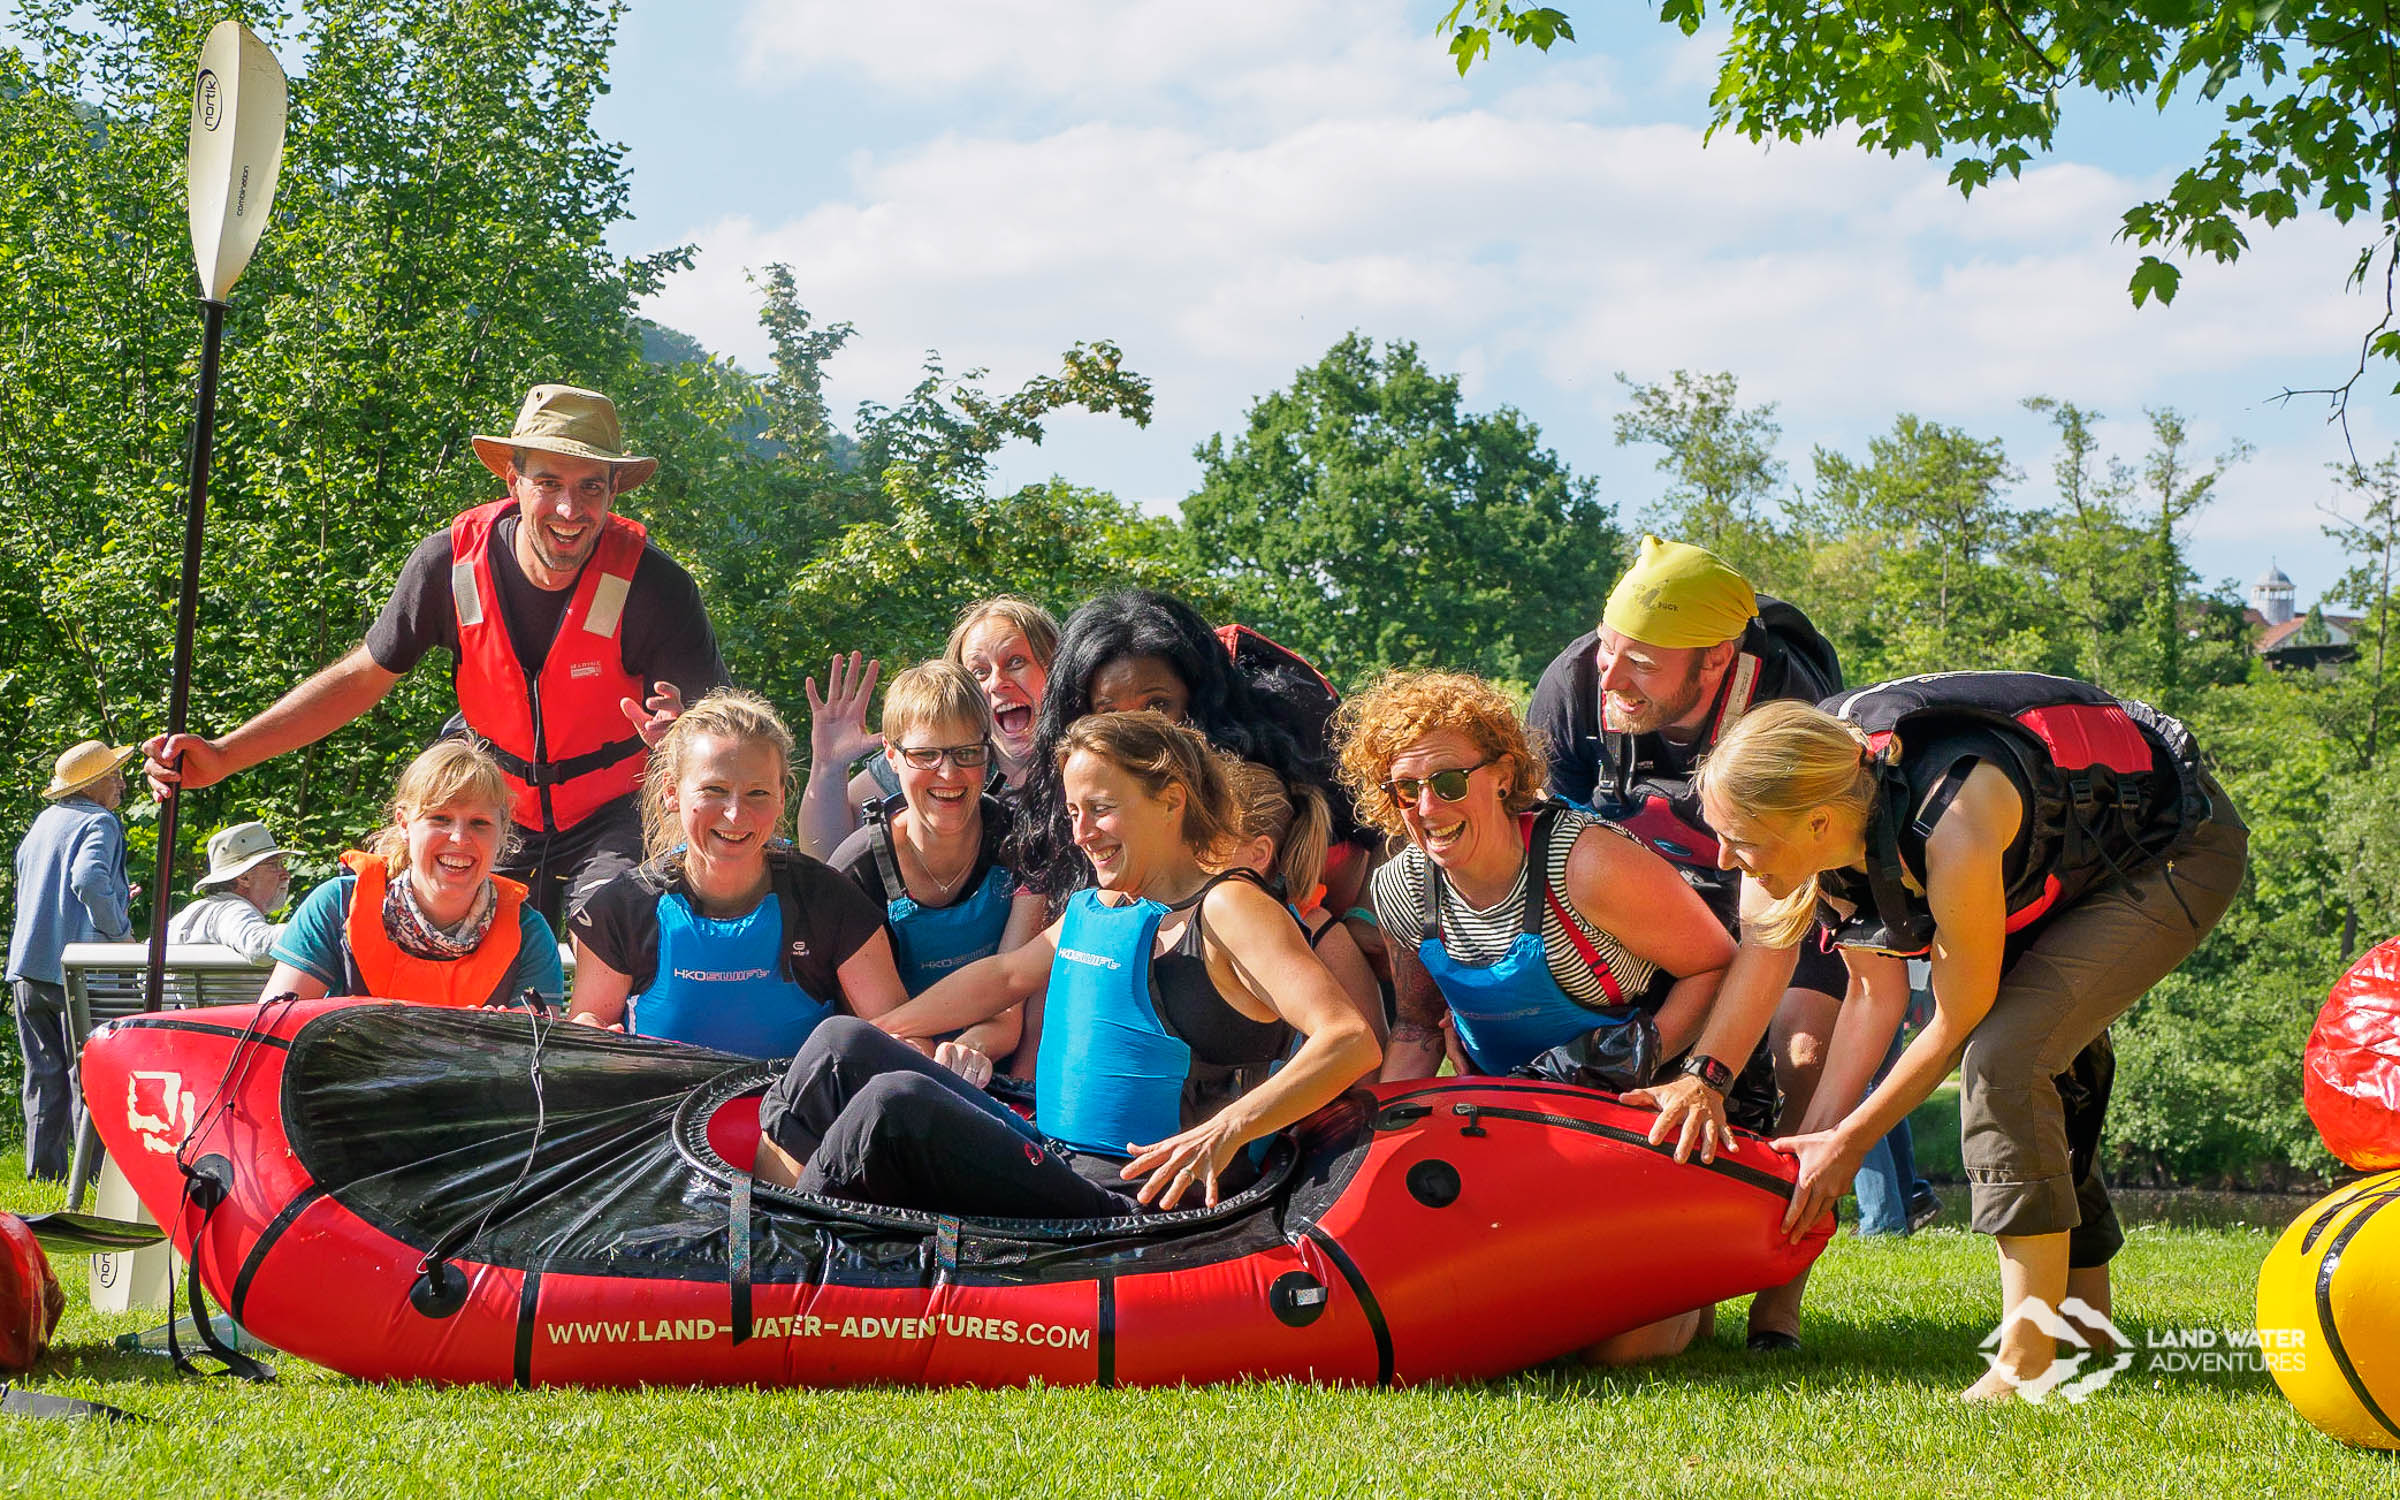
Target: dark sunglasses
[965, 757]
[1448, 785]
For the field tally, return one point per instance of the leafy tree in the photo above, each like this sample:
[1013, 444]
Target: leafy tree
[1721, 456]
[2308, 98]
[438, 245]
[894, 586]
[2085, 548]
[1367, 521]
[2363, 809]
[1911, 547]
[876, 538]
[1526, 25]
[2171, 488]
[2373, 538]
[2206, 1088]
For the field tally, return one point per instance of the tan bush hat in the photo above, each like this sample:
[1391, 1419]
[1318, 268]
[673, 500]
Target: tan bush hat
[84, 764]
[232, 852]
[567, 419]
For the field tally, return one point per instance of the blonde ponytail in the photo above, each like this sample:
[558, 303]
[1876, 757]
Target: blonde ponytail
[1781, 762]
[1296, 819]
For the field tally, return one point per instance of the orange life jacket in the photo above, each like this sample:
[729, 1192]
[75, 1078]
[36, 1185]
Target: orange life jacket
[558, 732]
[383, 969]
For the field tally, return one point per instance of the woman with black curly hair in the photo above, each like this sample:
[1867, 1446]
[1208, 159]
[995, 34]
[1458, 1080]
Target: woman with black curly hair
[1142, 649]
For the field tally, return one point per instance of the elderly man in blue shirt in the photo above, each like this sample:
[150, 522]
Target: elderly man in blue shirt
[71, 888]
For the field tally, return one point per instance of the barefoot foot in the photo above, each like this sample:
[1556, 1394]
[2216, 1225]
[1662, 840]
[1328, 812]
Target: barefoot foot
[1994, 1386]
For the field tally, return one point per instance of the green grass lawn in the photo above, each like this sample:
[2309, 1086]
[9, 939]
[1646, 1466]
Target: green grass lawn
[1866, 1410]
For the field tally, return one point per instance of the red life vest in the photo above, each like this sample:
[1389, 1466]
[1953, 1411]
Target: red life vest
[2108, 784]
[383, 969]
[559, 734]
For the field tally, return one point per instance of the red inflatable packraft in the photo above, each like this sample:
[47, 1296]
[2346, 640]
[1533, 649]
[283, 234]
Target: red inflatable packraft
[2351, 1071]
[479, 1197]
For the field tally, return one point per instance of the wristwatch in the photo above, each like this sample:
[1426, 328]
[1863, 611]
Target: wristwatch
[1709, 1071]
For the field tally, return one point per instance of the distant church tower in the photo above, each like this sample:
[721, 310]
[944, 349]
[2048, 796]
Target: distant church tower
[2272, 596]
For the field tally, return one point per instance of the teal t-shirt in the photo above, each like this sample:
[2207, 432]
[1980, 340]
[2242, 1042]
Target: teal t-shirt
[313, 943]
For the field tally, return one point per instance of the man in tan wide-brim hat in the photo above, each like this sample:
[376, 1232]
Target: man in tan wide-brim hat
[576, 641]
[71, 888]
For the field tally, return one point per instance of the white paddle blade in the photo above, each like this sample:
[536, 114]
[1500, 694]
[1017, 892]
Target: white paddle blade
[238, 103]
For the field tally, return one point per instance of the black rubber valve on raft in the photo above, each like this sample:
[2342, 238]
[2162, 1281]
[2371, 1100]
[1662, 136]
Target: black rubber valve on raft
[440, 1289]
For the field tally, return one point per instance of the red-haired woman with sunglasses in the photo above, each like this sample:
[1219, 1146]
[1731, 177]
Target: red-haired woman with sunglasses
[1539, 931]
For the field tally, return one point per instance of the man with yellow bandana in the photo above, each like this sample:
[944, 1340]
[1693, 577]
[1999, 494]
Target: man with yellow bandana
[1685, 647]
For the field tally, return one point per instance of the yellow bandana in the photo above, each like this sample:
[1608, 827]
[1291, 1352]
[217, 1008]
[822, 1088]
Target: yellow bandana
[1679, 595]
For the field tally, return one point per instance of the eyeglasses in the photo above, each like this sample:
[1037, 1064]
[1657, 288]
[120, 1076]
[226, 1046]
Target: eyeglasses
[965, 757]
[1448, 785]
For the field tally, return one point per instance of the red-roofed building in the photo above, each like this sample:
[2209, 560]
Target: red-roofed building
[2284, 636]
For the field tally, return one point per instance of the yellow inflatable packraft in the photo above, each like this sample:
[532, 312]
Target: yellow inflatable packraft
[2329, 1312]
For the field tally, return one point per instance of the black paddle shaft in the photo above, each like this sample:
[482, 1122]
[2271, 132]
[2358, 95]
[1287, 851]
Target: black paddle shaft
[187, 612]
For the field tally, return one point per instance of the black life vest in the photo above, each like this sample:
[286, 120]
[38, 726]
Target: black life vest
[2108, 785]
[1645, 785]
[1288, 688]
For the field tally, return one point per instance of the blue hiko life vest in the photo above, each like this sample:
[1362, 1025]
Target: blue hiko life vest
[1512, 1011]
[1107, 1074]
[725, 984]
[930, 943]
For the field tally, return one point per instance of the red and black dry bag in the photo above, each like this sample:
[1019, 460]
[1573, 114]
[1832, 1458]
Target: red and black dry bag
[2350, 1074]
[30, 1297]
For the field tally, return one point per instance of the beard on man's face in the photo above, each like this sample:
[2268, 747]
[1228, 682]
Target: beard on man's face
[1648, 715]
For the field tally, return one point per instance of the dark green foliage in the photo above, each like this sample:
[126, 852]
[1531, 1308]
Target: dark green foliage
[436, 247]
[813, 540]
[2208, 1081]
[1366, 521]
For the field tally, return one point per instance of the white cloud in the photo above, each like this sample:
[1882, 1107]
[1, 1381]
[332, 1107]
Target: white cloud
[1256, 60]
[1224, 190]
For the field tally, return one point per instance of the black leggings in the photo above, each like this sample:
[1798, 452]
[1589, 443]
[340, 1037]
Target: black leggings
[880, 1122]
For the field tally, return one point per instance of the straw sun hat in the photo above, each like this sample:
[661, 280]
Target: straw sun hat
[84, 764]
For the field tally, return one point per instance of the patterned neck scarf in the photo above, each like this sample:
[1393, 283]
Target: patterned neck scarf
[418, 936]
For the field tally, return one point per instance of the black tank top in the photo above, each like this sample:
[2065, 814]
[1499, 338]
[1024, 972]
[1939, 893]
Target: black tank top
[1231, 1053]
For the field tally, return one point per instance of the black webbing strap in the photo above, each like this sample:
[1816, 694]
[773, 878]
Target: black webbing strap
[887, 860]
[1537, 869]
[558, 772]
[17, 1402]
[737, 1256]
[236, 1363]
[1885, 881]
[208, 1182]
[1937, 801]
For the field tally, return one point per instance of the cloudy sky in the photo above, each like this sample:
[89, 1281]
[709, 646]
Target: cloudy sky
[1226, 188]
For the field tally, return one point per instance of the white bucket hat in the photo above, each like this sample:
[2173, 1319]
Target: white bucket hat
[233, 851]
